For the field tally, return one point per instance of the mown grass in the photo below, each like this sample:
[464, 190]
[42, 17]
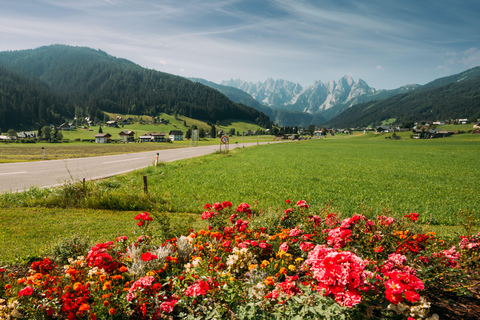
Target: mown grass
[33, 232]
[434, 178]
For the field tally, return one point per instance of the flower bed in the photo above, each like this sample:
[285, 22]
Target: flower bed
[250, 265]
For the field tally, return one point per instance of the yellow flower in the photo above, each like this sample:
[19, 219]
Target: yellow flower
[298, 260]
[232, 279]
[151, 273]
[291, 267]
[252, 266]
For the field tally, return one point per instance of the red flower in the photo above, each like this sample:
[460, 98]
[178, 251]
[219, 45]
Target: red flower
[25, 292]
[288, 201]
[198, 288]
[302, 204]
[147, 256]
[413, 216]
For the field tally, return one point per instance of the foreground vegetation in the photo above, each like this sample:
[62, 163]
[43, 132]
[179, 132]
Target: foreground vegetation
[290, 264]
[385, 214]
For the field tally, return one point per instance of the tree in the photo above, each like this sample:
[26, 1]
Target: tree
[12, 133]
[213, 131]
[188, 134]
[46, 132]
[231, 132]
[59, 135]
[311, 129]
[100, 130]
[201, 133]
[184, 123]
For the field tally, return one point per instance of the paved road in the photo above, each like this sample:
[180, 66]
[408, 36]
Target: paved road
[22, 176]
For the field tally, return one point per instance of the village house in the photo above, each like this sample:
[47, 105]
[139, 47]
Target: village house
[66, 127]
[476, 125]
[127, 136]
[176, 135]
[152, 137]
[103, 138]
[26, 135]
[381, 129]
[112, 123]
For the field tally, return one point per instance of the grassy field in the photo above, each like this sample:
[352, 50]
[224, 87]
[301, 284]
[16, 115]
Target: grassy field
[434, 178]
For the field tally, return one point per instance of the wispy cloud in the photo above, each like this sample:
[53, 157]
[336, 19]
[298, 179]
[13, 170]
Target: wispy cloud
[298, 40]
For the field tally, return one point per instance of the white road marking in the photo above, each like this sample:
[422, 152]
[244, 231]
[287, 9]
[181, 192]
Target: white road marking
[20, 172]
[124, 160]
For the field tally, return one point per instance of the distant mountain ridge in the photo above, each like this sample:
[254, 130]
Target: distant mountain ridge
[313, 99]
[281, 117]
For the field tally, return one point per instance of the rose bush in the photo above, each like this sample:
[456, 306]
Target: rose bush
[310, 264]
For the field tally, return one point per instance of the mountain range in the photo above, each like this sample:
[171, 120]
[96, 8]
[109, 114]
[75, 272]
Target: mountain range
[332, 100]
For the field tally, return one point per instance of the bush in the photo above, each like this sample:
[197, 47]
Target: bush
[73, 247]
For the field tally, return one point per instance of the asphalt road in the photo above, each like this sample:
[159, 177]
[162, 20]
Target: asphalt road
[22, 176]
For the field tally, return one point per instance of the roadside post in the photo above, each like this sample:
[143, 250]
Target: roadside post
[145, 185]
[156, 159]
[43, 153]
[224, 140]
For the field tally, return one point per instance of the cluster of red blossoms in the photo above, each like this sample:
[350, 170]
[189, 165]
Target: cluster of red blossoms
[143, 218]
[413, 216]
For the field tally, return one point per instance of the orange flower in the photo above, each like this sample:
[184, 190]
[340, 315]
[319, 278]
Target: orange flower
[106, 303]
[84, 307]
[77, 286]
[123, 269]
[269, 281]
[8, 286]
[116, 277]
[103, 278]
[283, 270]
[112, 311]
[107, 285]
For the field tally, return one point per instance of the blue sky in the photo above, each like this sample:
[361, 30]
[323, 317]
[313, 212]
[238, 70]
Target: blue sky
[387, 43]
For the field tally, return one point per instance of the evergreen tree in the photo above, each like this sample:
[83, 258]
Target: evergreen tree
[201, 133]
[100, 130]
[213, 131]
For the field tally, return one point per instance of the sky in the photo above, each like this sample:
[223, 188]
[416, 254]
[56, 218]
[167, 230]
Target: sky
[387, 43]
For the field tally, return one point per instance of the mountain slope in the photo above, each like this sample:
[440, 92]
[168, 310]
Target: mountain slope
[85, 77]
[34, 100]
[450, 101]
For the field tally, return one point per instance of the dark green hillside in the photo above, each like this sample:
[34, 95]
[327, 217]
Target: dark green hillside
[24, 103]
[86, 77]
[451, 101]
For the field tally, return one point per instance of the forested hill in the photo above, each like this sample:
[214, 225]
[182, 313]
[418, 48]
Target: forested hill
[451, 101]
[23, 101]
[87, 78]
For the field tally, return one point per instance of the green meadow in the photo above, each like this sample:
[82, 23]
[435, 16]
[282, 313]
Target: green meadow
[370, 174]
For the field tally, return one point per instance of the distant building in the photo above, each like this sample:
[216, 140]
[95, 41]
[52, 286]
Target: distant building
[103, 138]
[153, 137]
[176, 135]
[112, 124]
[127, 136]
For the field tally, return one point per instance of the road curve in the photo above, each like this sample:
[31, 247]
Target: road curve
[21, 176]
